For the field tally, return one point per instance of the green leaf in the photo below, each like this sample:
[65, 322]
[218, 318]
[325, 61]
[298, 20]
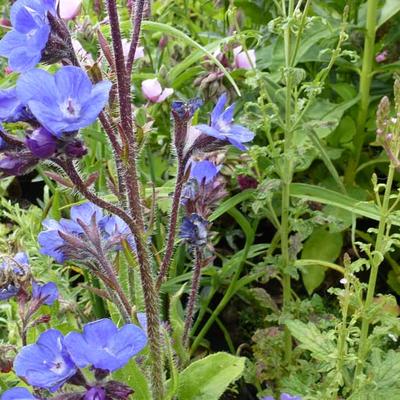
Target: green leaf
[159, 27]
[208, 378]
[320, 344]
[231, 202]
[321, 245]
[134, 377]
[322, 195]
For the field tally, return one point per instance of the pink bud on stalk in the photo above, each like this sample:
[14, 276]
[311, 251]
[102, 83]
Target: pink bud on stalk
[152, 90]
[381, 57]
[69, 9]
[244, 59]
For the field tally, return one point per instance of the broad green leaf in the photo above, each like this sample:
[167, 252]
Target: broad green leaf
[321, 245]
[325, 196]
[320, 344]
[132, 375]
[208, 378]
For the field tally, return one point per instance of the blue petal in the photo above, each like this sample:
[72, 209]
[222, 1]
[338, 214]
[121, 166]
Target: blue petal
[17, 393]
[48, 292]
[37, 85]
[10, 42]
[219, 108]
[50, 242]
[73, 83]
[236, 143]
[98, 333]
[81, 352]
[203, 171]
[21, 258]
[85, 211]
[24, 21]
[210, 131]
[227, 115]
[21, 61]
[240, 133]
[9, 103]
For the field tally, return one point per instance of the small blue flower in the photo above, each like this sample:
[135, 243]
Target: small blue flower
[51, 242]
[223, 128]
[194, 230]
[63, 102]
[23, 45]
[45, 364]
[17, 393]
[46, 293]
[285, 396]
[104, 346]
[185, 110]
[14, 270]
[204, 171]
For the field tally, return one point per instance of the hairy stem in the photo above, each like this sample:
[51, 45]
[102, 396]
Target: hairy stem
[169, 249]
[193, 295]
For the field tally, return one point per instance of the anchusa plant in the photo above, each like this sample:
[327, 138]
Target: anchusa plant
[103, 233]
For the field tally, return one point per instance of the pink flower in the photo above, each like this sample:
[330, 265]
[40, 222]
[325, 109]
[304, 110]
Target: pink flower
[243, 59]
[69, 9]
[153, 91]
[139, 53]
[381, 57]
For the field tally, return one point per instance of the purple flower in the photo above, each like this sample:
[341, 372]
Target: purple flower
[95, 393]
[223, 128]
[194, 230]
[17, 393]
[243, 59]
[152, 90]
[65, 101]
[381, 57]
[46, 293]
[16, 164]
[41, 143]
[104, 346]
[51, 243]
[45, 364]
[204, 171]
[23, 45]
[185, 110]
[285, 396]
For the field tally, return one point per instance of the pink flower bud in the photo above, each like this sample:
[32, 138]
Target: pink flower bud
[381, 57]
[152, 90]
[243, 59]
[69, 9]
[139, 52]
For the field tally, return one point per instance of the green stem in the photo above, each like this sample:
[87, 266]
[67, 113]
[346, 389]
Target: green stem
[287, 175]
[375, 262]
[364, 89]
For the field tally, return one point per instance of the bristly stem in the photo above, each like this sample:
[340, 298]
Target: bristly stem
[198, 259]
[137, 23]
[169, 249]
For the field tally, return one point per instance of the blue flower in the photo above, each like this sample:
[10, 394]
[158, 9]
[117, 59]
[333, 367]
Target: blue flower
[45, 364]
[194, 230]
[284, 396]
[223, 128]
[204, 171]
[51, 243]
[115, 230]
[17, 393]
[46, 293]
[23, 45]
[95, 393]
[63, 102]
[183, 111]
[104, 346]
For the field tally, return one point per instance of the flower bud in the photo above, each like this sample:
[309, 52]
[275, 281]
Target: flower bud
[41, 143]
[75, 149]
[95, 393]
[69, 9]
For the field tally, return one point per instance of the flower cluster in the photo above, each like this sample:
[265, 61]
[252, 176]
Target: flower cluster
[55, 360]
[79, 237]
[56, 106]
